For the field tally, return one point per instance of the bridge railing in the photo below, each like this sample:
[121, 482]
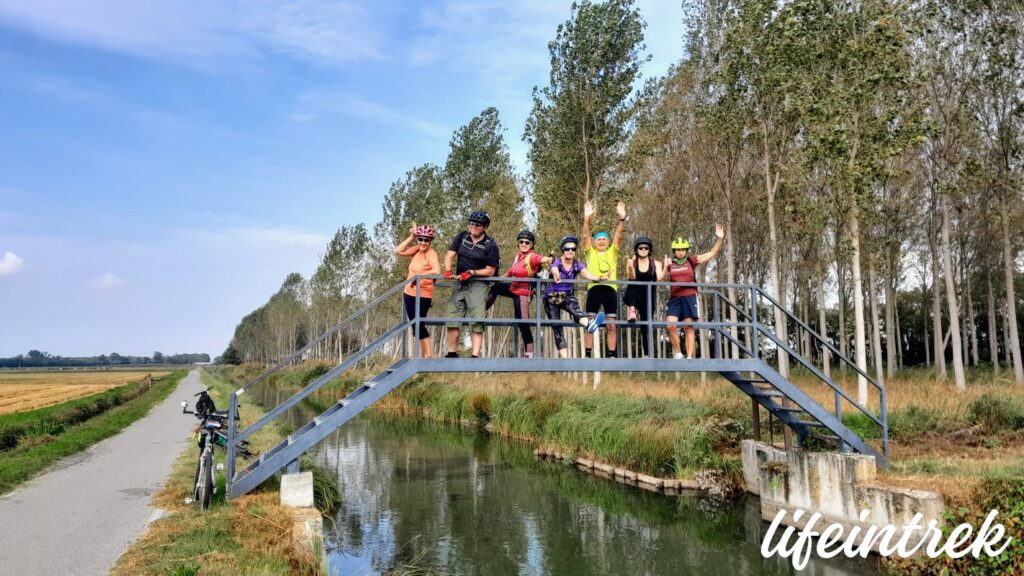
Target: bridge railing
[382, 326]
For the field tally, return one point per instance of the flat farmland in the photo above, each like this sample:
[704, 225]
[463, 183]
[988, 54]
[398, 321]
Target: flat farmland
[23, 391]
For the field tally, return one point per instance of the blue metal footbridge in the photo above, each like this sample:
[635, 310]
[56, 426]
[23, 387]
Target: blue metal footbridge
[744, 340]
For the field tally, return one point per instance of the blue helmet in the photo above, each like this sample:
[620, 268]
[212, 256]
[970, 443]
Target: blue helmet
[567, 240]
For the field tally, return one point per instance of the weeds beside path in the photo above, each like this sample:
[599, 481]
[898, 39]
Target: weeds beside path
[249, 535]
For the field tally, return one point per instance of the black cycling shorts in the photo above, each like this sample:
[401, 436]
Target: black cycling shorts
[603, 297]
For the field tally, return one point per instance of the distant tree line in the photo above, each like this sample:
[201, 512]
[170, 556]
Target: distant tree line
[38, 359]
[866, 157]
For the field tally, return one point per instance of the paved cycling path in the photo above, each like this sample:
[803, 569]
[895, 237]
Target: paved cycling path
[81, 515]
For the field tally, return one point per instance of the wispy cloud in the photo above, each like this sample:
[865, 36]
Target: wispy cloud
[257, 238]
[107, 281]
[321, 30]
[313, 105]
[11, 264]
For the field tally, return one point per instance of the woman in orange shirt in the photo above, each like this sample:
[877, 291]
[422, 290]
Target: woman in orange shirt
[423, 260]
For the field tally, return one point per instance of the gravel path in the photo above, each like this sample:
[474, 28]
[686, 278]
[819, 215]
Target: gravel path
[86, 511]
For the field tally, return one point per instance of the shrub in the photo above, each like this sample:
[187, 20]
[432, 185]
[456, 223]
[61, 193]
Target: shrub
[996, 413]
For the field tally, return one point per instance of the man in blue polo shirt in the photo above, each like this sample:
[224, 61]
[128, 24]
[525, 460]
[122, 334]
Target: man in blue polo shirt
[478, 256]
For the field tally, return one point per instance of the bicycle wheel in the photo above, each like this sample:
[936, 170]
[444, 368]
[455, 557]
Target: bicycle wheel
[205, 484]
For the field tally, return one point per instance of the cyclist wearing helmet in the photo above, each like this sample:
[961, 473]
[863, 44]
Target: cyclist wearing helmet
[602, 258]
[682, 303]
[478, 256]
[422, 260]
[527, 264]
[560, 296]
[640, 266]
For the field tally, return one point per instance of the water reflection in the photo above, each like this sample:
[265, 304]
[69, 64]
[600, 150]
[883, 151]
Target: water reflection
[431, 497]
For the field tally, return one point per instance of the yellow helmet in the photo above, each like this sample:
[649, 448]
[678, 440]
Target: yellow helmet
[680, 244]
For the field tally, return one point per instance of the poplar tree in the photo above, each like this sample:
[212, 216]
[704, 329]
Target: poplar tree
[581, 121]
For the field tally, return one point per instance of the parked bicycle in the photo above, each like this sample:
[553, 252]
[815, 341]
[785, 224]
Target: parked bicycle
[208, 434]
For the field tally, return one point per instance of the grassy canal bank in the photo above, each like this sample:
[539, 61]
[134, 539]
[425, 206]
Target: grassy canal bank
[250, 535]
[967, 446]
[30, 441]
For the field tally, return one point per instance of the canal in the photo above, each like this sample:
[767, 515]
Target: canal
[421, 498]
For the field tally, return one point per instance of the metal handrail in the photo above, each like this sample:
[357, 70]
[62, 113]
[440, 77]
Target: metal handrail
[818, 337]
[650, 324]
[835, 387]
[324, 379]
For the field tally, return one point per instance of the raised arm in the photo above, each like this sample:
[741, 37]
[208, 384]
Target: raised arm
[405, 243]
[620, 209]
[588, 212]
[630, 272]
[659, 270]
[708, 256]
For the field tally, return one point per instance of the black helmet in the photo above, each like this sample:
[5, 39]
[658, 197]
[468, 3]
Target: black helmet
[481, 217]
[641, 240]
[526, 235]
[567, 240]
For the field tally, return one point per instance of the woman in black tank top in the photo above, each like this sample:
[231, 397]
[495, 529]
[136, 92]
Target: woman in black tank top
[636, 296]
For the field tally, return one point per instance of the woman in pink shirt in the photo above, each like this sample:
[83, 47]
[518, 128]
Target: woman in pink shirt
[422, 260]
[527, 264]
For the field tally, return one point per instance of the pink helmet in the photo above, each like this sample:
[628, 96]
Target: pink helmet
[425, 231]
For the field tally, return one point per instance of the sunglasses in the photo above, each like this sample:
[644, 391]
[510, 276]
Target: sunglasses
[424, 240]
[480, 224]
[525, 242]
[568, 249]
[639, 248]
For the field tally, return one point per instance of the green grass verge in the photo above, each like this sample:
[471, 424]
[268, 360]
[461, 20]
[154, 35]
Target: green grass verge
[23, 462]
[663, 437]
[250, 535]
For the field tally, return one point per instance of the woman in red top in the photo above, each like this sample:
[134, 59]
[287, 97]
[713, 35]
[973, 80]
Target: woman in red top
[527, 264]
[422, 260]
[682, 302]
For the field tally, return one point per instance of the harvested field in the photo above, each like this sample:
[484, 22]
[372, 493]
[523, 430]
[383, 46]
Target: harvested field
[23, 391]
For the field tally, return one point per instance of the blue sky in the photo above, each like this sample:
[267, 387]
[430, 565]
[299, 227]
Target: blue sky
[164, 164]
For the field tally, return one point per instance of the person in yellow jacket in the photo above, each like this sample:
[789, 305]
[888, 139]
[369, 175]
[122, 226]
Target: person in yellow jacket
[601, 255]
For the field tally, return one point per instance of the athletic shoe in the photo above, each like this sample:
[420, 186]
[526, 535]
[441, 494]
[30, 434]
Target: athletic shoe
[452, 355]
[632, 315]
[678, 356]
[596, 323]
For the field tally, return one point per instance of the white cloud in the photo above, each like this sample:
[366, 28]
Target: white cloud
[321, 30]
[106, 281]
[258, 238]
[11, 264]
[503, 47]
[315, 104]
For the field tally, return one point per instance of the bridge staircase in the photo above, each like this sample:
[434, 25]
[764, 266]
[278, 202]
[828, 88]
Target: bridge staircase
[739, 346]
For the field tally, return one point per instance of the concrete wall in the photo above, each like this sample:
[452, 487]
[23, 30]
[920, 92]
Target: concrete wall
[839, 486]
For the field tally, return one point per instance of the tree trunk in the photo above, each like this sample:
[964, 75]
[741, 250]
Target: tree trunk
[777, 288]
[1011, 301]
[924, 324]
[823, 321]
[938, 349]
[876, 336]
[899, 332]
[844, 346]
[858, 310]
[954, 311]
[891, 332]
[730, 272]
[993, 340]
